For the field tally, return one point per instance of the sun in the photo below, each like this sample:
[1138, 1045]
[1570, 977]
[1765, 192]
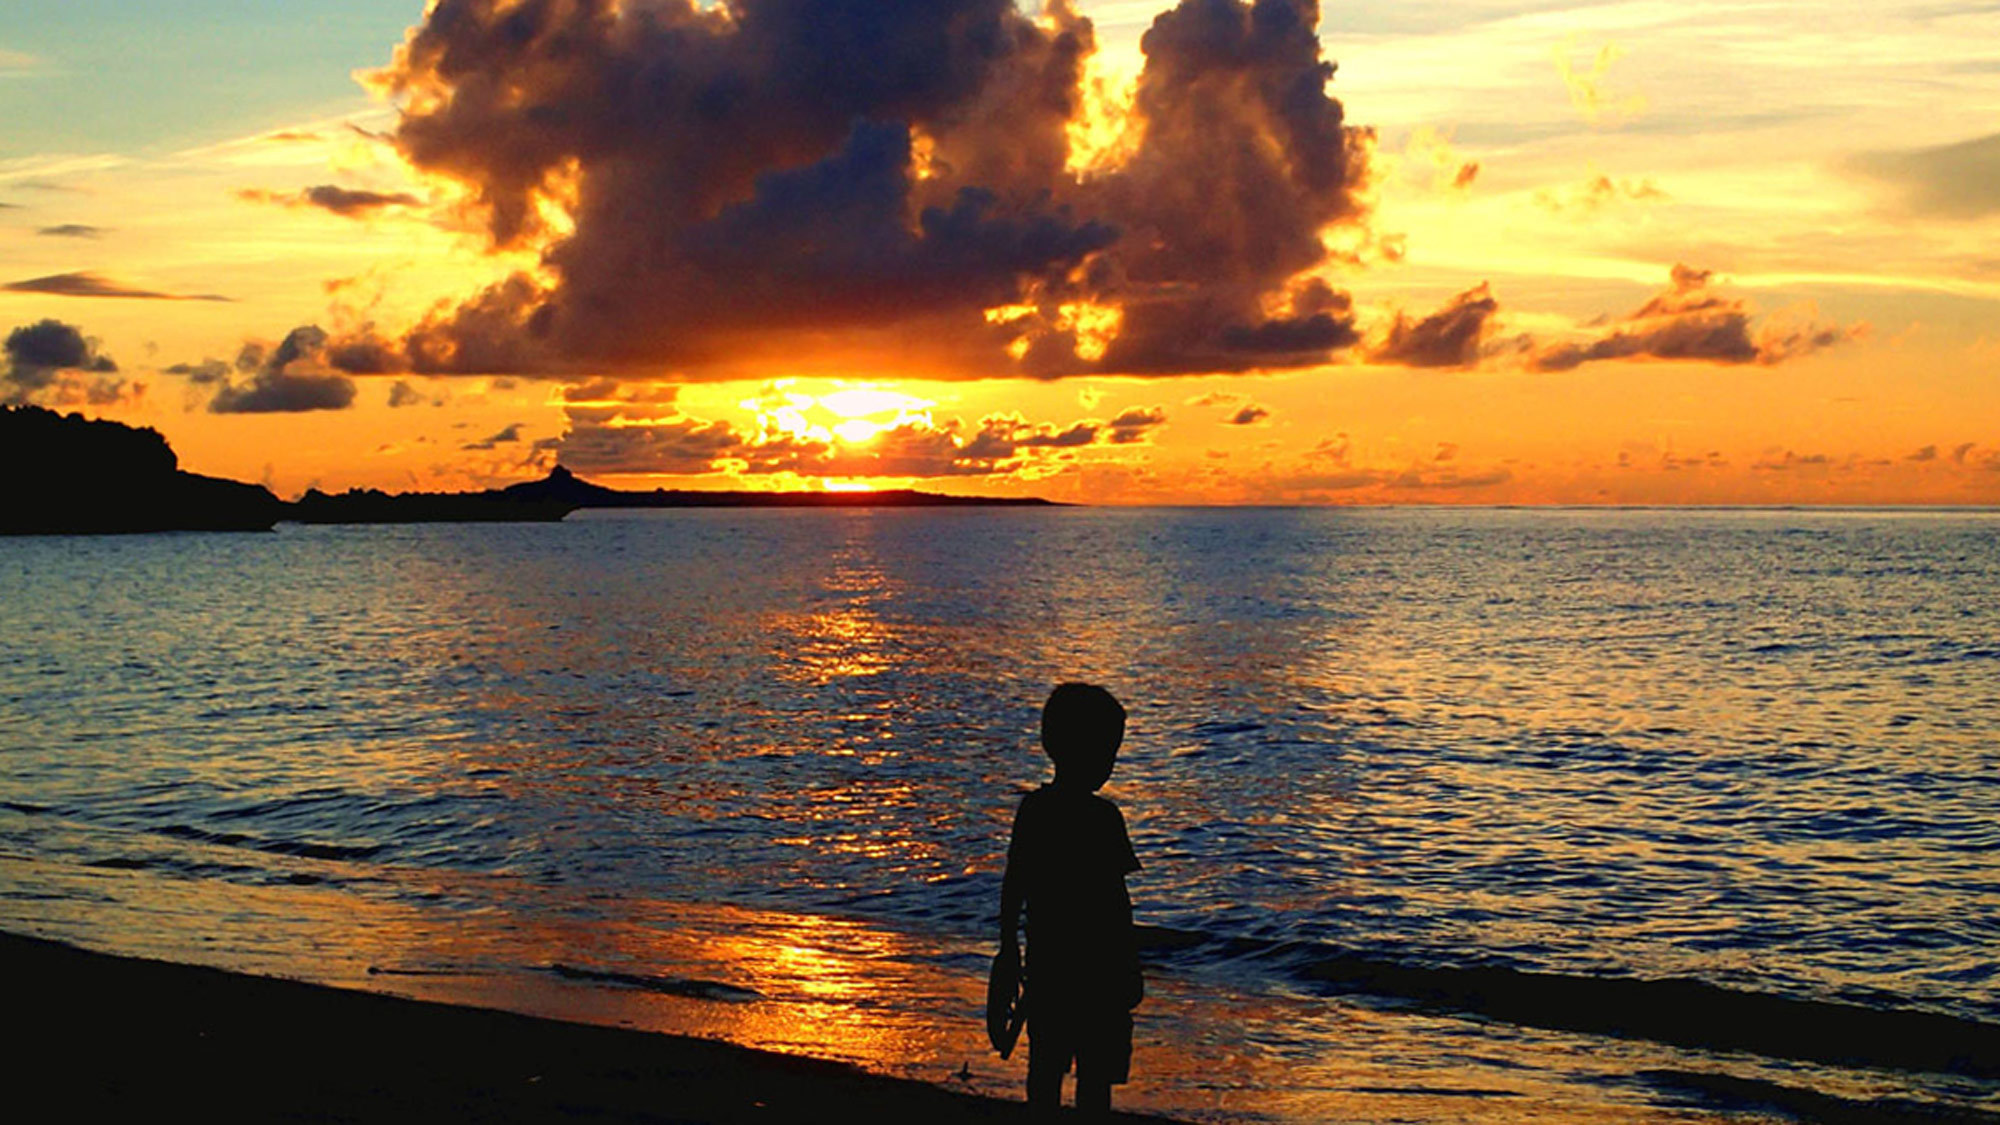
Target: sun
[849, 414]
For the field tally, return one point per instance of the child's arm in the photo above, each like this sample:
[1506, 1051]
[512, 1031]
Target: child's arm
[1013, 891]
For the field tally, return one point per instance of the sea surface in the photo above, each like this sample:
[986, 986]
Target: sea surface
[1445, 815]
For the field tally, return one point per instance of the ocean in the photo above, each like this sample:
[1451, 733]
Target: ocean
[1444, 814]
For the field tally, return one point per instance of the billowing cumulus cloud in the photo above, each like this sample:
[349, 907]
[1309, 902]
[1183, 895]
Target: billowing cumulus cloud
[95, 285]
[53, 363]
[291, 378]
[718, 190]
[1690, 321]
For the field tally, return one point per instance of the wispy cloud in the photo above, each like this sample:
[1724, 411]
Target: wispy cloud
[1953, 181]
[1588, 91]
[96, 285]
[346, 202]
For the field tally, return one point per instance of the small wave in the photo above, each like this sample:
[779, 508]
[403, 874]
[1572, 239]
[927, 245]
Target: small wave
[1810, 1105]
[1436, 1091]
[121, 863]
[672, 986]
[1678, 1011]
[305, 849]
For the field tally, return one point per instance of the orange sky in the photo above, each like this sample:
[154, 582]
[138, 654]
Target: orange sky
[1730, 254]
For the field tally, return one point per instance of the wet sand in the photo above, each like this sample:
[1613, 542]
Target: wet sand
[101, 1035]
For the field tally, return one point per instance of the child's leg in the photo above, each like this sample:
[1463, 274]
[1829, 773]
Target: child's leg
[1045, 1081]
[1044, 1091]
[1093, 1096]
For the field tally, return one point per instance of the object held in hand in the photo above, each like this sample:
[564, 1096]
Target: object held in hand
[1006, 1004]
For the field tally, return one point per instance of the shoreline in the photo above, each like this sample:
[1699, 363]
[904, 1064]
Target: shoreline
[118, 1033]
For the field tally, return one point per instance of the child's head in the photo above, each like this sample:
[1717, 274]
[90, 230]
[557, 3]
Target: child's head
[1082, 726]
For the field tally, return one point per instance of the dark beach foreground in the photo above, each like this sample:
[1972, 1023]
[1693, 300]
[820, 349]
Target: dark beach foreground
[101, 1035]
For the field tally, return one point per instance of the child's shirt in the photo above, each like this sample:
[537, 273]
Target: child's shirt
[1070, 855]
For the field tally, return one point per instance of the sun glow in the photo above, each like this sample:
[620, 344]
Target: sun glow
[850, 415]
[1106, 133]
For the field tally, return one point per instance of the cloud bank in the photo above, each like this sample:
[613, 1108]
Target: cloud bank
[717, 190]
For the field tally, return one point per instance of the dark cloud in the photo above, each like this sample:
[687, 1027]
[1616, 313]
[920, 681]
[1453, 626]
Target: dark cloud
[348, 202]
[44, 360]
[1954, 181]
[778, 178]
[1328, 471]
[1450, 337]
[1318, 321]
[1927, 453]
[288, 379]
[71, 230]
[364, 354]
[684, 446]
[209, 372]
[509, 436]
[1786, 461]
[1134, 424]
[402, 394]
[1690, 321]
[1415, 479]
[1249, 415]
[1334, 450]
[1001, 437]
[95, 285]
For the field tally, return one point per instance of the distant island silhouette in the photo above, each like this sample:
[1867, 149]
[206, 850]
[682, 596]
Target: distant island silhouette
[562, 492]
[73, 475]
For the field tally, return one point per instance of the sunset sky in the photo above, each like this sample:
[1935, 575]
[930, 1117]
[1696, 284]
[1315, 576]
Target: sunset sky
[1509, 251]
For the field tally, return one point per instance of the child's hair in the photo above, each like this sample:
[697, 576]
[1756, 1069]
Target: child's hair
[1082, 726]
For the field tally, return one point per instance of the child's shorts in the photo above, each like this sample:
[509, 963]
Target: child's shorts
[1099, 1043]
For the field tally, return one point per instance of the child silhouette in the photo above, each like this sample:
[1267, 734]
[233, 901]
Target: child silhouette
[1067, 864]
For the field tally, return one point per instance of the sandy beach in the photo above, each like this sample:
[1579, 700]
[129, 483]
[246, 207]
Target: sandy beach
[113, 1035]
